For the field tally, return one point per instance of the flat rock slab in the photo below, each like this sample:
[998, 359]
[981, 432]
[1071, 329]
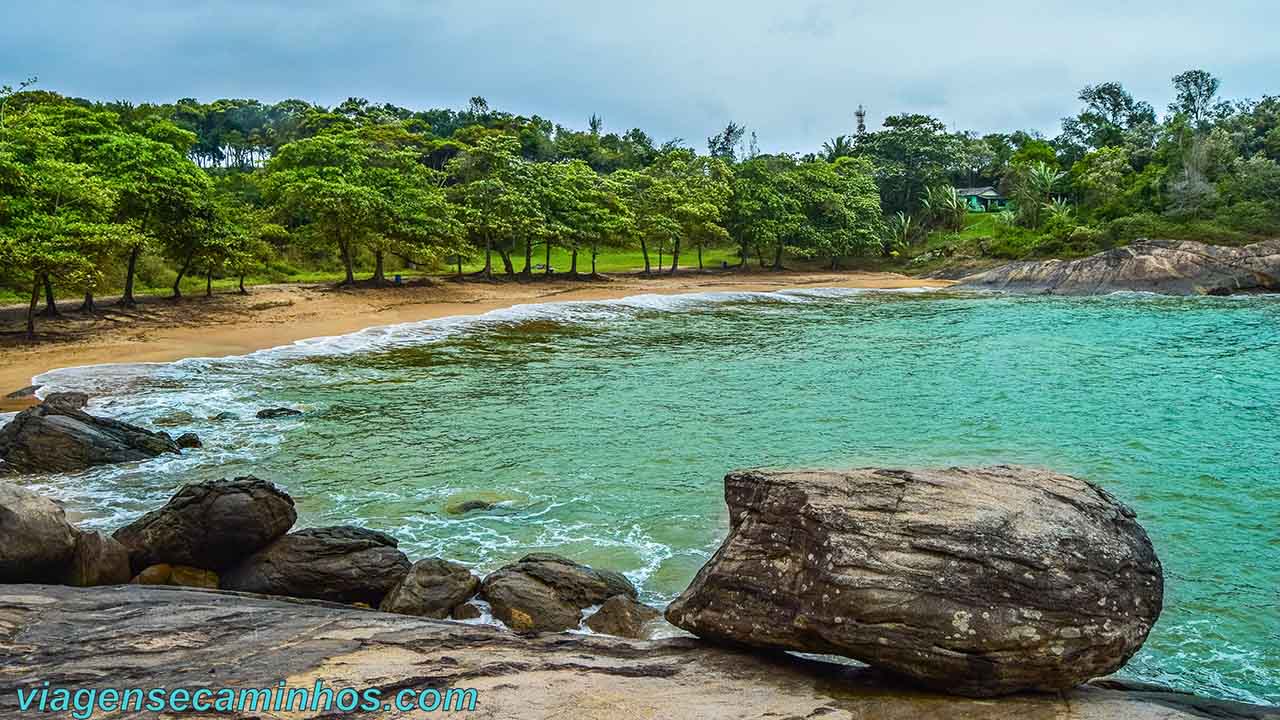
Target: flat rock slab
[173, 637]
[1158, 266]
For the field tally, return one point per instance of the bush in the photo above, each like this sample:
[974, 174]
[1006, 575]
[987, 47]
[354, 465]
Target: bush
[1253, 217]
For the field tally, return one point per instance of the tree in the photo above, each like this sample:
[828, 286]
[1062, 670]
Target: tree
[911, 153]
[837, 147]
[1194, 91]
[494, 187]
[724, 145]
[1109, 113]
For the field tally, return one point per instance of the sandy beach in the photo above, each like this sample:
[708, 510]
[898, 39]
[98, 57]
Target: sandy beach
[161, 330]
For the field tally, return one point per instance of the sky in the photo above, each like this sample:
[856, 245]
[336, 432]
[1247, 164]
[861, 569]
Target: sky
[792, 71]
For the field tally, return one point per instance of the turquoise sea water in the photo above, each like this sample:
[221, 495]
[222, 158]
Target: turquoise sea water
[607, 427]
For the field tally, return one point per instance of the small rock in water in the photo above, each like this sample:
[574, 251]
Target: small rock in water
[69, 400]
[188, 441]
[224, 416]
[432, 588]
[26, 392]
[174, 419]
[466, 611]
[59, 437]
[622, 616]
[270, 413]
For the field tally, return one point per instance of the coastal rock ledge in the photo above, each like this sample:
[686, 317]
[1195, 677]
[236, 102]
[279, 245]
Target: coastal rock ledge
[975, 581]
[1165, 267]
[146, 636]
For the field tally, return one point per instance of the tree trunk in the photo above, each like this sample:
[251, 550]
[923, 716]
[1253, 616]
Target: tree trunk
[675, 257]
[459, 265]
[760, 255]
[50, 305]
[835, 263]
[506, 262]
[528, 258]
[31, 309]
[208, 283]
[242, 290]
[182, 271]
[573, 263]
[595, 252]
[127, 299]
[488, 258]
[700, 256]
[644, 250]
[660, 257]
[546, 268]
[88, 306]
[348, 262]
[379, 275]
[777, 257]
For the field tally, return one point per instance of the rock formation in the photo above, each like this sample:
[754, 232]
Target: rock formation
[36, 541]
[432, 588]
[343, 564]
[547, 593]
[974, 581]
[1157, 266]
[98, 560]
[145, 636]
[59, 437]
[212, 524]
[622, 616]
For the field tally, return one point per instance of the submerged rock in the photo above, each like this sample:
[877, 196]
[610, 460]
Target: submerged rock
[622, 616]
[270, 413]
[547, 593]
[212, 524]
[188, 441]
[36, 541]
[98, 560]
[58, 437]
[1158, 266]
[432, 588]
[973, 581]
[173, 637]
[343, 564]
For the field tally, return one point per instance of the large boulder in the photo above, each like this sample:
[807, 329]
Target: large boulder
[36, 541]
[547, 593]
[432, 588]
[212, 524]
[98, 560]
[343, 564]
[972, 581]
[60, 437]
[1158, 266]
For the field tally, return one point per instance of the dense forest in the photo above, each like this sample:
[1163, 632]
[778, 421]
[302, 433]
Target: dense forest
[100, 197]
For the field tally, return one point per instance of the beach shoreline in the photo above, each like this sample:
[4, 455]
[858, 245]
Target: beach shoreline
[161, 330]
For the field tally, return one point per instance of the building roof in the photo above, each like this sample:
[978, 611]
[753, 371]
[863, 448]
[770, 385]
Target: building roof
[983, 192]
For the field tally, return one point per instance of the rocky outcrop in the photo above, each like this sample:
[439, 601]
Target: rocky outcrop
[622, 616]
[36, 541]
[343, 564]
[188, 441]
[59, 437]
[974, 581]
[138, 636]
[1157, 266]
[98, 559]
[547, 593]
[212, 524]
[271, 413]
[432, 588]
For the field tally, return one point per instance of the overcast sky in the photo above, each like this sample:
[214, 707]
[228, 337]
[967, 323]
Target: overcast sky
[792, 70]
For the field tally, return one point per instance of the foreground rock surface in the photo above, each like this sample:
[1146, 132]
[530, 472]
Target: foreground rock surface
[36, 541]
[1158, 266]
[212, 524]
[546, 593]
[170, 637]
[975, 581]
[343, 564]
[60, 437]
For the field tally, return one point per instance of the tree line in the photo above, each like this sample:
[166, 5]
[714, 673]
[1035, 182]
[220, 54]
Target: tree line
[93, 193]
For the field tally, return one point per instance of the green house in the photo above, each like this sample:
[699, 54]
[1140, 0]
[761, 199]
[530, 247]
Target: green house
[983, 199]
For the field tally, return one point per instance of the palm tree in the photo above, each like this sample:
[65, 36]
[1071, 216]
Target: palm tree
[837, 147]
